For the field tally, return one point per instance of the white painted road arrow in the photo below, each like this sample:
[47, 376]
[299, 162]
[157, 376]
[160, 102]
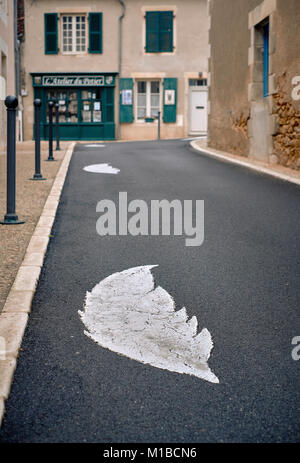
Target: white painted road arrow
[126, 314]
[101, 169]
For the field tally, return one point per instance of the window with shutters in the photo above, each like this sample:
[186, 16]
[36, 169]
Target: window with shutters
[79, 33]
[74, 33]
[147, 99]
[159, 31]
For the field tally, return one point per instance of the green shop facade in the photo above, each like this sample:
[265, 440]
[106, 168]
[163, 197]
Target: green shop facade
[86, 104]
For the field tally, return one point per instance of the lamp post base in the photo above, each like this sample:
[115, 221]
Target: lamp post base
[37, 177]
[11, 219]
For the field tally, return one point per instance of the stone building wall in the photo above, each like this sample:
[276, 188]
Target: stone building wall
[286, 101]
[286, 148]
[229, 39]
[242, 120]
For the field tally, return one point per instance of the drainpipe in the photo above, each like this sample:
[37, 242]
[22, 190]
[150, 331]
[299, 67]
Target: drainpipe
[17, 46]
[16, 54]
[120, 53]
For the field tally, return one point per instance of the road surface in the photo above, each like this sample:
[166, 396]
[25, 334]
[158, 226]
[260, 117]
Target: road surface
[242, 284]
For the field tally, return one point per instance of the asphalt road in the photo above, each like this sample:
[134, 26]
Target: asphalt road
[242, 284]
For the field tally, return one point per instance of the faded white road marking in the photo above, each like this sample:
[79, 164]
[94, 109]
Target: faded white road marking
[126, 314]
[195, 138]
[102, 169]
[95, 146]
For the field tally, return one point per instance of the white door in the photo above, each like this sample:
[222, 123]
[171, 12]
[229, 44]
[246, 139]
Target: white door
[198, 111]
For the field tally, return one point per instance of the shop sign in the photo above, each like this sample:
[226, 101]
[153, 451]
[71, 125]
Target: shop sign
[73, 81]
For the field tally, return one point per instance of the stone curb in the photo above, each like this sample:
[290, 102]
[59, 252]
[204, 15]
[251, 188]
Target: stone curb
[14, 316]
[250, 165]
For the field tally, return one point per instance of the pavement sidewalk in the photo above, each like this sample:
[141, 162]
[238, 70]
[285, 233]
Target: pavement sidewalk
[30, 199]
[23, 246]
[283, 173]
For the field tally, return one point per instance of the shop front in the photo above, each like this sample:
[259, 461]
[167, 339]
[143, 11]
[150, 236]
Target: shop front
[86, 104]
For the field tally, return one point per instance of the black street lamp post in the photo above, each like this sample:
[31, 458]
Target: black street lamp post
[11, 218]
[50, 108]
[37, 132]
[57, 126]
[158, 126]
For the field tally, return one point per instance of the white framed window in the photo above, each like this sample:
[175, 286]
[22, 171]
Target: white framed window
[198, 82]
[74, 33]
[148, 97]
[3, 10]
[3, 6]
[2, 88]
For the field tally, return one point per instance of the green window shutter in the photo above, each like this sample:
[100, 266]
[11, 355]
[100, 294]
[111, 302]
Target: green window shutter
[166, 31]
[51, 46]
[95, 32]
[152, 31]
[170, 109]
[159, 31]
[126, 110]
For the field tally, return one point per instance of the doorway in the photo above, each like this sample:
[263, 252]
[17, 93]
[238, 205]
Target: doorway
[198, 106]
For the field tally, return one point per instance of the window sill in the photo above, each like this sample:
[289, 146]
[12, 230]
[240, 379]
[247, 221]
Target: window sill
[158, 53]
[70, 53]
[143, 122]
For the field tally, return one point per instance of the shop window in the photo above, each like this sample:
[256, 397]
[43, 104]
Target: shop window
[148, 99]
[91, 106]
[77, 105]
[159, 31]
[73, 33]
[68, 105]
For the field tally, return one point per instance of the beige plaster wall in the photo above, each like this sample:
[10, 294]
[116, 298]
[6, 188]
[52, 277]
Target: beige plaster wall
[7, 51]
[188, 59]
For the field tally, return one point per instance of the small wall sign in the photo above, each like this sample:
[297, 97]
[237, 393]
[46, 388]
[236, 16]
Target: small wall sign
[169, 97]
[126, 97]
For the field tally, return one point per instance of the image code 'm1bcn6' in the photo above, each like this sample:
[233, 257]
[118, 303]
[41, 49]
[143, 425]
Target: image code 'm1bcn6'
[168, 452]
